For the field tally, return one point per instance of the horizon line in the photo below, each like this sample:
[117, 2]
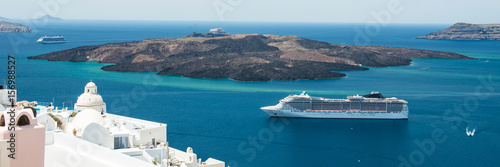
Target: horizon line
[247, 21]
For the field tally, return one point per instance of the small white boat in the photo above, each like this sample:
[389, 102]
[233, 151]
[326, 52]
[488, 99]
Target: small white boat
[470, 133]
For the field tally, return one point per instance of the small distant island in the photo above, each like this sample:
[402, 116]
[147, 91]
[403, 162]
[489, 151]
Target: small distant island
[466, 31]
[13, 27]
[242, 57]
[49, 18]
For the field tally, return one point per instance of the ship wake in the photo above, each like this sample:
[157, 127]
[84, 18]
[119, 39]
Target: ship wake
[471, 130]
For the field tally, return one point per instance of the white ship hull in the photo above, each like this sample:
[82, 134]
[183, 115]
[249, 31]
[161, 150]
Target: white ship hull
[274, 112]
[50, 42]
[371, 106]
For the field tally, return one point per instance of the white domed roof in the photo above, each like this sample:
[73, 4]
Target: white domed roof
[86, 117]
[90, 97]
[90, 85]
[87, 99]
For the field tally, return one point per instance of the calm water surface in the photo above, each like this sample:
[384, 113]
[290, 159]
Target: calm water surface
[220, 118]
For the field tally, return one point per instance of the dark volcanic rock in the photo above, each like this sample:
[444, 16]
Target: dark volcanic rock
[78, 54]
[466, 31]
[278, 70]
[247, 44]
[245, 57]
[311, 44]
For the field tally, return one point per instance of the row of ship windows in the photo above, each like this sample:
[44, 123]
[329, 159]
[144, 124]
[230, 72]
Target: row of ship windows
[348, 107]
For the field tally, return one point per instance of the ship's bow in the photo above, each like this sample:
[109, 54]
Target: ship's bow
[271, 110]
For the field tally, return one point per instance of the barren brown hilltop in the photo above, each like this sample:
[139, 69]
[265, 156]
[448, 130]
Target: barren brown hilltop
[243, 57]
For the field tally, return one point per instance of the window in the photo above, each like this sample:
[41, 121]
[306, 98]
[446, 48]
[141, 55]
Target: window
[121, 142]
[23, 120]
[2, 121]
[117, 142]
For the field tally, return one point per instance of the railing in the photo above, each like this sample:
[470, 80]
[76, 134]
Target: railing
[44, 103]
[134, 120]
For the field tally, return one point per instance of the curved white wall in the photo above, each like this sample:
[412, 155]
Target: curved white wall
[97, 134]
[47, 121]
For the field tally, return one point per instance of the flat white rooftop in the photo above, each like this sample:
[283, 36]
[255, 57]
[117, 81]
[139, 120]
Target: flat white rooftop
[66, 150]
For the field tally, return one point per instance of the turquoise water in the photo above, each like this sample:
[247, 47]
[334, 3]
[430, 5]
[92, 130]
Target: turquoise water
[220, 118]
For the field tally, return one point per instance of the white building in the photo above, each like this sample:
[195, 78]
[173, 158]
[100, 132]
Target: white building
[90, 99]
[114, 131]
[144, 142]
[217, 31]
[4, 98]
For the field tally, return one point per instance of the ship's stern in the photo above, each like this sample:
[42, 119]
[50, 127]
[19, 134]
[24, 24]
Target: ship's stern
[405, 111]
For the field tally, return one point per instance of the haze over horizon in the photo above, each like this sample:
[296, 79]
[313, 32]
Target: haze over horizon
[335, 11]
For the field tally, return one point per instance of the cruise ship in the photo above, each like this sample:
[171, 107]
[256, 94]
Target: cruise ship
[370, 106]
[54, 39]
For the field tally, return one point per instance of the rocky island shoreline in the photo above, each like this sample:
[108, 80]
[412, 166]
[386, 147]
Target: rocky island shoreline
[13, 27]
[243, 57]
[466, 31]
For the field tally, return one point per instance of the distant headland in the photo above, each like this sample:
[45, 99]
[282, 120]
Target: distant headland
[8, 25]
[13, 27]
[242, 57]
[41, 18]
[466, 31]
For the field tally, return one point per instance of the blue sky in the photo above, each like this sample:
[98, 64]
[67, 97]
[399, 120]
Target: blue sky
[343, 11]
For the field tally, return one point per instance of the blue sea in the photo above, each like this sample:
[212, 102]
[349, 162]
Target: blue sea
[220, 118]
